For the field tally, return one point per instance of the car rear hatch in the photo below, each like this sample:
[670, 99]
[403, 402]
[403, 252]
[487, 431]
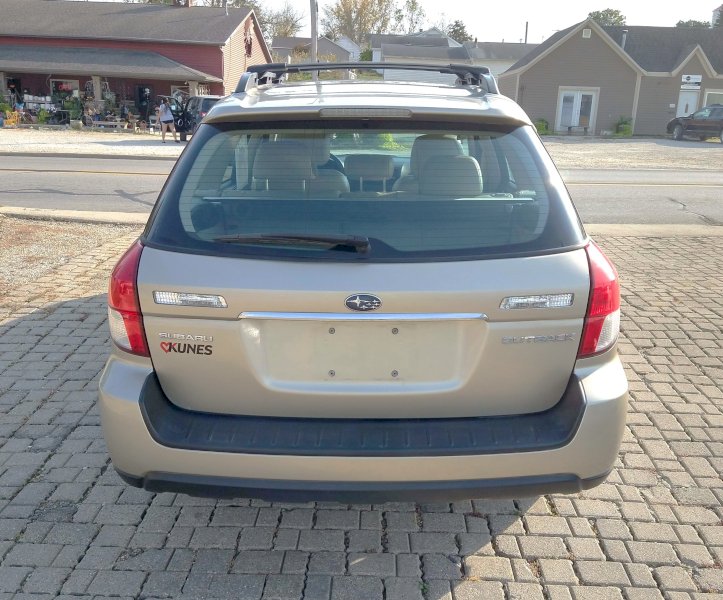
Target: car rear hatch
[440, 345]
[298, 271]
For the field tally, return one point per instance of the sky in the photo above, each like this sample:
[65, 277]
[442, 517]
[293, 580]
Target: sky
[495, 21]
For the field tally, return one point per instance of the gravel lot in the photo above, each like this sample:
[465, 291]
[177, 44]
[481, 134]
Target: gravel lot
[30, 249]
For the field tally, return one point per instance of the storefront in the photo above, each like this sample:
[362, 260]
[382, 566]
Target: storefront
[55, 85]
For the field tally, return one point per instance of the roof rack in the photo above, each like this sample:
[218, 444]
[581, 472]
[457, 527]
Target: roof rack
[275, 72]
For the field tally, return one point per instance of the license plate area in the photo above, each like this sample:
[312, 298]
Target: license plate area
[340, 351]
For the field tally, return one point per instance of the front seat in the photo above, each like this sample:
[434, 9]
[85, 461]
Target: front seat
[282, 166]
[425, 147]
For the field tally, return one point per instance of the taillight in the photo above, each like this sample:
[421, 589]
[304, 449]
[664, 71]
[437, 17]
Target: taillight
[602, 320]
[124, 310]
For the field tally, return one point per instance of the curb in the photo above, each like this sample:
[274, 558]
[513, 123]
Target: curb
[634, 230]
[75, 216]
[140, 219]
[89, 155]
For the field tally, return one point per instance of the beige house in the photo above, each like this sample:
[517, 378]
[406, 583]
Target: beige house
[587, 77]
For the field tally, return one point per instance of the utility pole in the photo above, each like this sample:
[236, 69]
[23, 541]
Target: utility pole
[314, 38]
[527, 25]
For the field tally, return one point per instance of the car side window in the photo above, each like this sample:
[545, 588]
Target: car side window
[702, 114]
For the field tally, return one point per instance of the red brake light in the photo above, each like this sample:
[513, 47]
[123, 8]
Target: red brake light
[124, 310]
[602, 320]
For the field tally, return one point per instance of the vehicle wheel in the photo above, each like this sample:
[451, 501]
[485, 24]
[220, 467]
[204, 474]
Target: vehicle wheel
[720, 136]
[678, 132]
[183, 136]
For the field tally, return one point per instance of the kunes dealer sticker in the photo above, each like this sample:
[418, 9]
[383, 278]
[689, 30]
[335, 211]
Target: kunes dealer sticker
[182, 345]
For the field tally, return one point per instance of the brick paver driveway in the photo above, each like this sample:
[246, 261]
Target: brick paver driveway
[70, 528]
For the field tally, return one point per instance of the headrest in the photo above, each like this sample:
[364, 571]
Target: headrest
[456, 176]
[432, 144]
[318, 145]
[283, 164]
[320, 148]
[371, 167]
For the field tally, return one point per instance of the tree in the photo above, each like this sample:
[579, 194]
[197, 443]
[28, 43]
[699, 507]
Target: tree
[410, 16]
[692, 23]
[609, 16]
[285, 22]
[458, 32]
[357, 18]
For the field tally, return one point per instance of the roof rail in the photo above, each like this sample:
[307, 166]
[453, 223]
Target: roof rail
[274, 72]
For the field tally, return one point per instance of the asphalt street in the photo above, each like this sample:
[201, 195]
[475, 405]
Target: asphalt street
[637, 196]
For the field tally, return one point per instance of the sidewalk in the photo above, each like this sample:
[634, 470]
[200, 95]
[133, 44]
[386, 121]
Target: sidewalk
[69, 142]
[69, 527]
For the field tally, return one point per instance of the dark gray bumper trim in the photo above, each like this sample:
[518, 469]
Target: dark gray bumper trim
[175, 427]
[355, 492]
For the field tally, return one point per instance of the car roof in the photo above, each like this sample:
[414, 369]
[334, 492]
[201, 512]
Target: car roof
[367, 99]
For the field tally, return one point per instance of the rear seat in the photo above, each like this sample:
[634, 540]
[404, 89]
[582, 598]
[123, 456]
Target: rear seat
[369, 172]
[451, 176]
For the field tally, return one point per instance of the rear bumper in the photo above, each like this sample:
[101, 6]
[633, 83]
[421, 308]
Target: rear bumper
[360, 491]
[566, 449]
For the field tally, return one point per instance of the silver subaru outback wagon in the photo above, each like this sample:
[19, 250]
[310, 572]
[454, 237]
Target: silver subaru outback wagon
[364, 290]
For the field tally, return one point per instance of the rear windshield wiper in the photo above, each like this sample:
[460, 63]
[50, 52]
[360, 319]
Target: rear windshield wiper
[356, 243]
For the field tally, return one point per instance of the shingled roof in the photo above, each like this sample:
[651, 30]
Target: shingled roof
[119, 21]
[498, 50]
[103, 61]
[428, 52]
[654, 49]
[661, 49]
[541, 48]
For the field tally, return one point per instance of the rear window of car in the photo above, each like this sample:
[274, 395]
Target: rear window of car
[208, 103]
[408, 191]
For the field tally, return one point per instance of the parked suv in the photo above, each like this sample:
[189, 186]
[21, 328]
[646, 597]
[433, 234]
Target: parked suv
[703, 124]
[364, 291]
[193, 112]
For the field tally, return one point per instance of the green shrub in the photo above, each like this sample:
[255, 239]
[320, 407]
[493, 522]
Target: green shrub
[624, 127]
[542, 126]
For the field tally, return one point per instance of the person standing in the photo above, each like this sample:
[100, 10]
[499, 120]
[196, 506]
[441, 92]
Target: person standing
[165, 116]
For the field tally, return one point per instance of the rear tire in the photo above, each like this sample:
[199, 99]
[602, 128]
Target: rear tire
[183, 135]
[678, 132]
[720, 136]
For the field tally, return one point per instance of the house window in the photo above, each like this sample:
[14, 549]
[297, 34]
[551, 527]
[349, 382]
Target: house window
[576, 109]
[713, 97]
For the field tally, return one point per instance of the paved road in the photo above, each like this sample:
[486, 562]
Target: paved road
[124, 185]
[70, 528]
[97, 184]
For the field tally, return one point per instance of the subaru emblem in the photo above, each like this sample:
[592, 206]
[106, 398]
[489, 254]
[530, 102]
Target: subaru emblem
[363, 302]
